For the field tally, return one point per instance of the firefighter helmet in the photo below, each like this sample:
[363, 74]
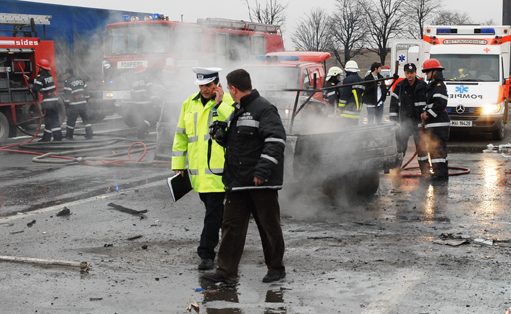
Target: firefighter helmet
[45, 64]
[430, 65]
[351, 66]
[334, 71]
[139, 68]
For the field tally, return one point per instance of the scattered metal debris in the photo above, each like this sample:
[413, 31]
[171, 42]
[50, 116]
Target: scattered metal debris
[449, 239]
[64, 212]
[30, 224]
[83, 265]
[15, 232]
[483, 241]
[95, 299]
[128, 210]
[108, 245]
[134, 237]
[144, 247]
[193, 305]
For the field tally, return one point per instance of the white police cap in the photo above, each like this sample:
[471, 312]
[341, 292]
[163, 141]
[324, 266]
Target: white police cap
[205, 75]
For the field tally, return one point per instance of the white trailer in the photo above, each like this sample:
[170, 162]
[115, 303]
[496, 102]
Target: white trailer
[477, 71]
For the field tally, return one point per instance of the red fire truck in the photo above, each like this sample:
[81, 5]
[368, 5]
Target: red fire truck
[18, 55]
[157, 43]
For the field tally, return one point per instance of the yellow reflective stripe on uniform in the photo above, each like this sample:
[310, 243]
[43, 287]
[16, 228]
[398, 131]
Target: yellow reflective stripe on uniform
[180, 130]
[178, 154]
[349, 116]
[356, 98]
[194, 172]
[215, 171]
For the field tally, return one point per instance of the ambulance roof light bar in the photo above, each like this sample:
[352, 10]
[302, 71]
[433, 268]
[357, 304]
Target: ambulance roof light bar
[465, 31]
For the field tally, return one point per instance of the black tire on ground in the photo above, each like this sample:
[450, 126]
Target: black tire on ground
[352, 187]
[128, 115]
[4, 128]
[30, 112]
[501, 132]
[96, 117]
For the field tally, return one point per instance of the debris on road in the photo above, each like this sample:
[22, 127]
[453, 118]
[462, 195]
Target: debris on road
[83, 265]
[144, 247]
[30, 224]
[15, 232]
[134, 237]
[95, 299]
[64, 212]
[129, 210]
[483, 241]
[108, 245]
[193, 304]
[449, 239]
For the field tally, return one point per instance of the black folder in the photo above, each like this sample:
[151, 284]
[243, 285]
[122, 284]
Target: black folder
[180, 185]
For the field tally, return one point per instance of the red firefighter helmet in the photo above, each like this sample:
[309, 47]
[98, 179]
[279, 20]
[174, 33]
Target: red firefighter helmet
[45, 64]
[430, 65]
[139, 68]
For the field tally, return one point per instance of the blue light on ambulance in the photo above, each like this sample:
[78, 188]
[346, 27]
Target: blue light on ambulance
[488, 31]
[443, 31]
[126, 18]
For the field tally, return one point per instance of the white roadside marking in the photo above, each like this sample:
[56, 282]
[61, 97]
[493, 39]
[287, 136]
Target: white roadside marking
[90, 199]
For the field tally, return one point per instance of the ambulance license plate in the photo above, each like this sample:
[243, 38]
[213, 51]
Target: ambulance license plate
[462, 123]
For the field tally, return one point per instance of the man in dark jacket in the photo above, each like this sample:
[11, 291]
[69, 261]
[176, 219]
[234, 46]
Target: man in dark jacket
[375, 95]
[350, 102]
[45, 85]
[436, 119]
[406, 105]
[76, 96]
[253, 174]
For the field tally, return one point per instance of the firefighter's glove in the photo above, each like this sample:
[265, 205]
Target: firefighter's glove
[217, 130]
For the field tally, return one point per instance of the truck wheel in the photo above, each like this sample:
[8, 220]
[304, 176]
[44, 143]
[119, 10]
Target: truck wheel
[30, 112]
[96, 117]
[128, 115]
[368, 183]
[501, 132]
[4, 128]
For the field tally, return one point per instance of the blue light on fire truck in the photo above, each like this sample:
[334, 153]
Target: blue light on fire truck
[126, 18]
[156, 16]
[111, 82]
[280, 58]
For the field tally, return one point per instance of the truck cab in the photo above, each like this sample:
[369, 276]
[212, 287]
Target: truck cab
[476, 61]
[274, 72]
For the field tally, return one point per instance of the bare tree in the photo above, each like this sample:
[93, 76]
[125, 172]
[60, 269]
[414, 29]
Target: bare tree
[312, 33]
[384, 22]
[423, 10]
[348, 31]
[272, 13]
[451, 18]
[489, 22]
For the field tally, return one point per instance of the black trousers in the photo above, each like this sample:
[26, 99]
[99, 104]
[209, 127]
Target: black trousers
[214, 203]
[410, 127]
[437, 148]
[52, 126]
[73, 112]
[263, 204]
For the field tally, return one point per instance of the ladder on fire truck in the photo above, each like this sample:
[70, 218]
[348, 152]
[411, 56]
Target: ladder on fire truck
[238, 25]
[21, 21]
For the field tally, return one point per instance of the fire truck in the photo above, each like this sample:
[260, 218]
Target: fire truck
[477, 66]
[19, 53]
[157, 43]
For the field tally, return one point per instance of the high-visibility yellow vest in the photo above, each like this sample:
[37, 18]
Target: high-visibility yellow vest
[192, 137]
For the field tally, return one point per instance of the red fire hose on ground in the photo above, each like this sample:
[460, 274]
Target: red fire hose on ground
[404, 167]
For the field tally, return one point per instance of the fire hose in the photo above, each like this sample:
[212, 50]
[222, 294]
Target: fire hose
[87, 147]
[405, 168]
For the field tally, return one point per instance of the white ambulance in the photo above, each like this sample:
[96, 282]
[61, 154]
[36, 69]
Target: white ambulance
[477, 70]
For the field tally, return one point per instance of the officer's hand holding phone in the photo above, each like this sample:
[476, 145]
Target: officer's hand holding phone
[218, 92]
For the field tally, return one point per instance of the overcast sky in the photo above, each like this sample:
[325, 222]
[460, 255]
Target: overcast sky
[479, 10]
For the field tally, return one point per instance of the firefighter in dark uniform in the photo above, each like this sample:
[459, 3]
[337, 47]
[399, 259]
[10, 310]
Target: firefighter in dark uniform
[76, 97]
[437, 122]
[406, 106]
[333, 95]
[44, 84]
[146, 97]
[350, 102]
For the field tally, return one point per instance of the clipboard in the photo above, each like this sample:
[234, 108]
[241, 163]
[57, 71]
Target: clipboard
[180, 185]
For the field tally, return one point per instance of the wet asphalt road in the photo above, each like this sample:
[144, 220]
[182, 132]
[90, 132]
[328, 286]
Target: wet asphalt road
[390, 254]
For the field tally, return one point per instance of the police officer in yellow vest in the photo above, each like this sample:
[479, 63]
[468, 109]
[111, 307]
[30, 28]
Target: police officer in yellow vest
[205, 156]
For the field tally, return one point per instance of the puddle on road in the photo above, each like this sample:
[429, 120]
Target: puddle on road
[224, 299]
